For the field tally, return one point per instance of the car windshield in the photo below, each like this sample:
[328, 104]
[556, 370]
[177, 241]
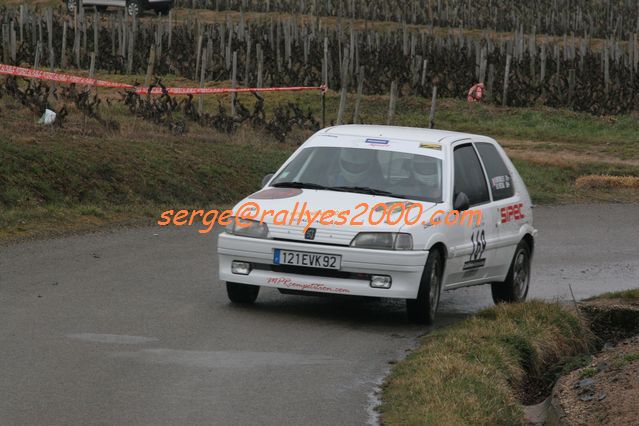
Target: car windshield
[370, 171]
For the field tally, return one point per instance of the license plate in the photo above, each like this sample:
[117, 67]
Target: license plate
[312, 260]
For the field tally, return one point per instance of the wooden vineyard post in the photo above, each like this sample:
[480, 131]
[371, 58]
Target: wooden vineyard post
[63, 49]
[542, 74]
[49, 14]
[360, 89]
[170, 19]
[343, 89]
[325, 62]
[76, 39]
[424, 68]
[198, 50]
[132, 37]
[92, 66]
[234, 83]
[200, 106]
[5, 43]
[392, 102]
[571, 86]
[247, 62]
[12, 42]
[504, 96]
[150, 66]
[96, 32]
[323, 101]
[21, 21]
[491, 83]
[260, 65]
[431, 117]
[38, 53]
[606, 70]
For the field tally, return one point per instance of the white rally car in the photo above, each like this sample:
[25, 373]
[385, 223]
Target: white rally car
[414, 176]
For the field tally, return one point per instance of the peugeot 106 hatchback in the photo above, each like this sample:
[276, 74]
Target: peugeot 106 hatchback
[391, 198]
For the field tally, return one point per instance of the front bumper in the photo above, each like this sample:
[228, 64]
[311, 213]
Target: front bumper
[404, 267]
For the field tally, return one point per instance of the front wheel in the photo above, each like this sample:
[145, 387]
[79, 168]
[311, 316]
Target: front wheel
[242, 293]
[134, 7]
[422, 310]
[515, 288]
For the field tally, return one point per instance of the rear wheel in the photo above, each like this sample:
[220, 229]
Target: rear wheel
[515, 288]
[72, 6]
[422, 310]
[242, 293]
[163, 9]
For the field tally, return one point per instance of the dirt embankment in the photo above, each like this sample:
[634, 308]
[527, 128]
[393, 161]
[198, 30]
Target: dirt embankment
[606, 391]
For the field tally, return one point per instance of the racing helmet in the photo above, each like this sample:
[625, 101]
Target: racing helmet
[425, 170]
[355, 164]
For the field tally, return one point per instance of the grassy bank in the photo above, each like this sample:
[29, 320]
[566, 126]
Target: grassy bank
[473, 372]
[74, 178]
[82, 176]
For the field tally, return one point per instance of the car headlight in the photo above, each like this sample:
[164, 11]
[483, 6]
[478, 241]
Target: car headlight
[248, 228]
[383, 240]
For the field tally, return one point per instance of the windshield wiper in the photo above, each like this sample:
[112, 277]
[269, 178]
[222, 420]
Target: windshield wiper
[304, 185]
[365, 190]
[358, 189]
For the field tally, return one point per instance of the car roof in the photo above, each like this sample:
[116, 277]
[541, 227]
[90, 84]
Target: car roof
[399, 133]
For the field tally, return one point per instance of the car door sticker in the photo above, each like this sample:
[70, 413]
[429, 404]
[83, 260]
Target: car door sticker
[512, 212]
[477, 259]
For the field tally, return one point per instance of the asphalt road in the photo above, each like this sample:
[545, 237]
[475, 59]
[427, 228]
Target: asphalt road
[133, 327]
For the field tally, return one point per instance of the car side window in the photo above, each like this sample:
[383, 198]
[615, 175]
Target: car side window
[501, 182]
[469, 176]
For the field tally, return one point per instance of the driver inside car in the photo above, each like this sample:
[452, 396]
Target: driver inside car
[424, 178]
[358, 167]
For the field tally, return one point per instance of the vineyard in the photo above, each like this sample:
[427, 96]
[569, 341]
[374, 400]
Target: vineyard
[305, 45]
[594, 18]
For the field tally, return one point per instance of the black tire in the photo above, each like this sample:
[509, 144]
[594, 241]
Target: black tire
[242, 293]
[134, 7]
[515, 288]
[72, 6]
[422, 310]
[162, 10]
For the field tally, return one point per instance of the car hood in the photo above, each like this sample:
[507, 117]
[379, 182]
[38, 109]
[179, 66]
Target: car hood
[292, 208]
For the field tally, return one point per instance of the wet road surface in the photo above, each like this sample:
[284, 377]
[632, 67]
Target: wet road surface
[133, 327]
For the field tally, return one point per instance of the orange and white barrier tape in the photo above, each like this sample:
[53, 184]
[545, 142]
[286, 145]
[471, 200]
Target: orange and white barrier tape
[69, 79]
[63, 78]
[213, 90]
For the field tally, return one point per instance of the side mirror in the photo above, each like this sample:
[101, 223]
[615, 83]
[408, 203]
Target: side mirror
[266, 178]
[461, 202]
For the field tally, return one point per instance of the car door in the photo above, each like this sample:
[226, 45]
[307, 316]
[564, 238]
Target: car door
[472, 258]
[507, 205]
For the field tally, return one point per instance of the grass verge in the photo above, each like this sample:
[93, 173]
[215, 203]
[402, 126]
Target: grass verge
[473, 372]
[630, 294]
[54, 180]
